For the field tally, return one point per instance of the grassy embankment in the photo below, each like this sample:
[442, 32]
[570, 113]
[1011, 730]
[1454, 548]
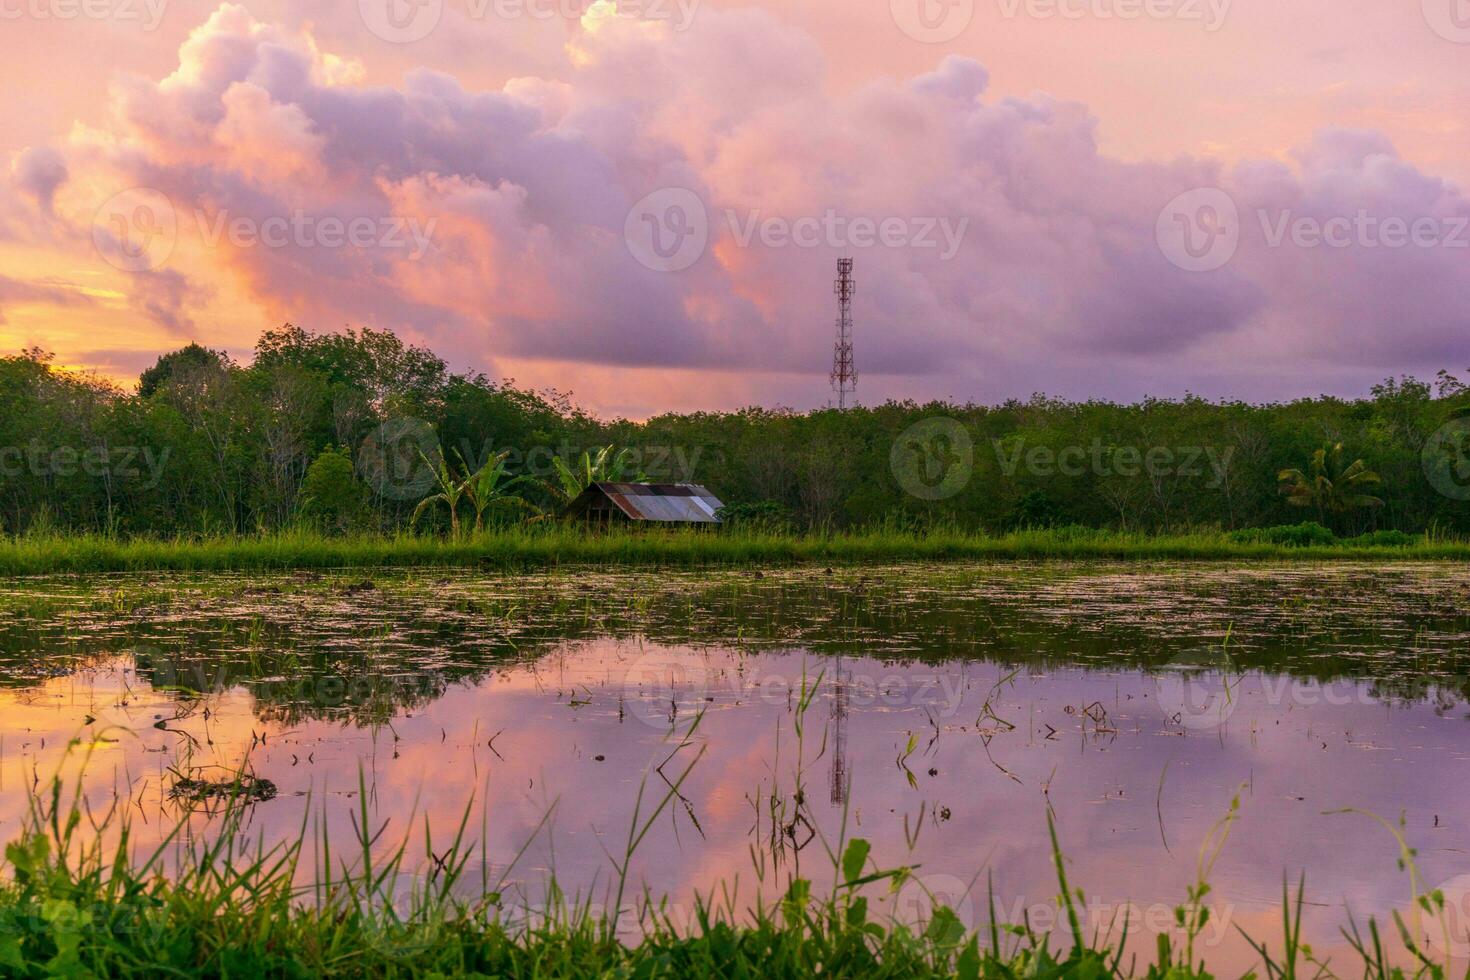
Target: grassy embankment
[540, 547]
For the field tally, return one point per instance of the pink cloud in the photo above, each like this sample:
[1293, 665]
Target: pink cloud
[1022, 258]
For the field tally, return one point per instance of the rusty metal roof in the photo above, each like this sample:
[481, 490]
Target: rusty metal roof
[683, 503]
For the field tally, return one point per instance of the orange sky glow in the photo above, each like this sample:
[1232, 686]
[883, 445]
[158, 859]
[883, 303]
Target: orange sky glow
[476, 175]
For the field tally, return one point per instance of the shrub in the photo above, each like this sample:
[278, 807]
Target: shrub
[332, 496]
[1386, 539]
[1033, 510]
[765, 515]
[1294, 535]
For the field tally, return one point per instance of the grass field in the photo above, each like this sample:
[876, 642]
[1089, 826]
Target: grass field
[539, 547]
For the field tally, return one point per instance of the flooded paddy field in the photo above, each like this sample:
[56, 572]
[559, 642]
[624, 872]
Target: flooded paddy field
[939, 712]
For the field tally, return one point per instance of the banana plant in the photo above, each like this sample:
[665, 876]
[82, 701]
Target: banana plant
[490, 486]
[604, 467]
[450, 492]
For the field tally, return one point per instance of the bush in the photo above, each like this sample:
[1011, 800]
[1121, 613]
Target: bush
[1385, 539]
[766, 515]
[332, 496]
[1294, 535]
[1072, 533]
[1033, 511]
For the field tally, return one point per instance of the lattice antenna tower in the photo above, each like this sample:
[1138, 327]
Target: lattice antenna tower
[844, 375]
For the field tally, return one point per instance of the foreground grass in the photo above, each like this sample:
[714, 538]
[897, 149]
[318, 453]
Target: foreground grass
[71, 906]
[541, 547]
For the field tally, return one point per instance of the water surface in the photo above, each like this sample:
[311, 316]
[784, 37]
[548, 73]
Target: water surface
[950, 709]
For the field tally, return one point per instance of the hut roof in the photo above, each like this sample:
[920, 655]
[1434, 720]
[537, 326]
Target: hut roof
[683, 503]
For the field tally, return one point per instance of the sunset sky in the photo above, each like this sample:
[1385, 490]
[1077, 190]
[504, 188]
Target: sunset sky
[643, 202]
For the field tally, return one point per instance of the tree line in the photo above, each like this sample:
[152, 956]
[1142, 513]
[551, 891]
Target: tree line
[355, 430]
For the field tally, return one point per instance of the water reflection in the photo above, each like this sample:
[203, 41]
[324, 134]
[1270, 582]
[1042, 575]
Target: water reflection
[951, 709]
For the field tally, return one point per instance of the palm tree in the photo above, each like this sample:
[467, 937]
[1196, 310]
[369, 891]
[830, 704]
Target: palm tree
[1328, 486]
[450, 491]
[490, 486]
[605, 467]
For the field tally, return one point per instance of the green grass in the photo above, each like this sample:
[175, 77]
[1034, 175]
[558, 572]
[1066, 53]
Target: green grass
[541, 547]
[72, 906]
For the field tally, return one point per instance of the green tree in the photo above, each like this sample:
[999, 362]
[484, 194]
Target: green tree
[1328, 486]
[331, 494]
[184, 360]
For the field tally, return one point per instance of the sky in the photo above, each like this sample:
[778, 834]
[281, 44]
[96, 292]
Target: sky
[642, 201]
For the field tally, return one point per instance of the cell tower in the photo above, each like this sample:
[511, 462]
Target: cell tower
[844, 375]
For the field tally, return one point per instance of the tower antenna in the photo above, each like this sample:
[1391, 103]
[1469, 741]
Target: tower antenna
[844, 375]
